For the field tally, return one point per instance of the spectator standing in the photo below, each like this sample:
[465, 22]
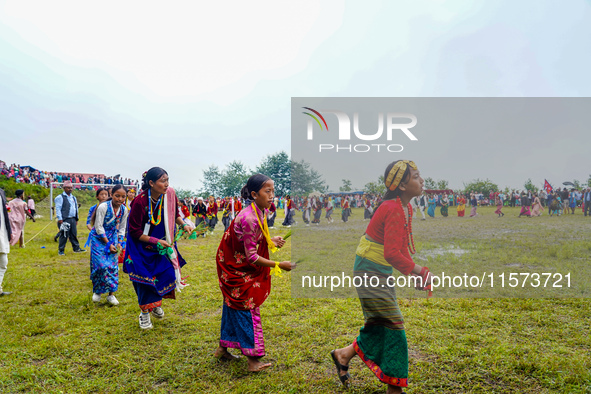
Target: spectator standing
[31, 206]
[66, 209]
[587, 202]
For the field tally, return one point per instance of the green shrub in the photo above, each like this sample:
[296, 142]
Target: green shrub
[10, 187]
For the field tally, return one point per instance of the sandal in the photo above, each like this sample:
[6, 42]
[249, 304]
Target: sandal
[343, 378]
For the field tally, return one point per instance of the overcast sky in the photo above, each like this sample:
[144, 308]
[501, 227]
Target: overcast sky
[117, 87]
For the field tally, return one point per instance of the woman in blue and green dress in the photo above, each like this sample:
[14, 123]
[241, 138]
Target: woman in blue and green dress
[444, 205]
[386, 244]
[432, 203]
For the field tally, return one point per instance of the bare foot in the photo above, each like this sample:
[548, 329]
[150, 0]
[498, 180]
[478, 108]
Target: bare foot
[255, 365]
[223, 354]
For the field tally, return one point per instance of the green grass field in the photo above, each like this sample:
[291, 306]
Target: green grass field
[53, 339]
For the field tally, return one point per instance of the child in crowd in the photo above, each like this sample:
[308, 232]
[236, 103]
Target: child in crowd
[102, 195]
[109, 220]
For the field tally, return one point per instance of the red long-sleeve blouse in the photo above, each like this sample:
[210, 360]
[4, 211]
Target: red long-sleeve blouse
[387, 228]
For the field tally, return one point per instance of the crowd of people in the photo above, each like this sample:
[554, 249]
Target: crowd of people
[532, 203]
[30, 175]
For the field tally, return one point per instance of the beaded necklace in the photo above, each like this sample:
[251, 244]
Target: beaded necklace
[408, 227]
[119, 214]
[158, 208]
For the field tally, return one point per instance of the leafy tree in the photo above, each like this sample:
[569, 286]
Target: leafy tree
[211, 182]
[529, 186]
[184, 193]
[233, 178]
[278, 168]
[376, 188]
[37, 192]
[589, 180]
[442, 184]
[578, 185]
[430, 184]
[480, 186]
[346, 186]
[305, 180]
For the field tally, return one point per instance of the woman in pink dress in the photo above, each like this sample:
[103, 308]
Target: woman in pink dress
[536, 206]
[16, 216]
[499, 204]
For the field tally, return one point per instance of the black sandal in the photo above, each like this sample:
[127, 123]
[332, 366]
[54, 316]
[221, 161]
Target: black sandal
[343, 378]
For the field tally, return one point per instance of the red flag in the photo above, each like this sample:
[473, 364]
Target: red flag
[547, 186]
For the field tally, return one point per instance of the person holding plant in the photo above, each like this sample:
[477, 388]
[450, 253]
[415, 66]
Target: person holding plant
[151, 258]
[212, 213]
[244, 272]
[386, 244]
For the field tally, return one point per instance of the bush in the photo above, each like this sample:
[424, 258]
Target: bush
[10, 187]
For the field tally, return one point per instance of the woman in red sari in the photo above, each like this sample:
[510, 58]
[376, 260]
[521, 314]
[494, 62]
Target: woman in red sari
[244, 272]
[461, 205]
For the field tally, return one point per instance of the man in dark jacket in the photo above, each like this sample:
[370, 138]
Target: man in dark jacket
[564, 196]
[66, 210]
[5, 235]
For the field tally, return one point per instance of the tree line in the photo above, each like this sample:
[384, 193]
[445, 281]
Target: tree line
[291, 177]
[299, 178]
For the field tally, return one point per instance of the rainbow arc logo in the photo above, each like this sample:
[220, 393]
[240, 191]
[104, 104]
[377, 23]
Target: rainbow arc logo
[315, 118]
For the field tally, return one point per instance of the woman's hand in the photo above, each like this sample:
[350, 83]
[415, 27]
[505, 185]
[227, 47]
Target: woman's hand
[287, 265]
[164, 243]
[188, 228]
[113, 248]
[89, 227]
[426, 281]
[278, 241]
